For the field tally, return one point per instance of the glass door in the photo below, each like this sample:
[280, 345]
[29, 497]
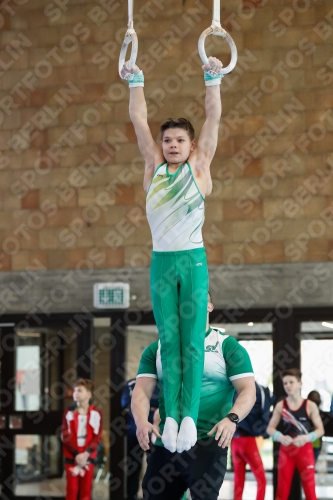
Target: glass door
[37, 371]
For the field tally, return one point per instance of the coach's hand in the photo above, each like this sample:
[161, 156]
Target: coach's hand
[142, 433]
[224, 430]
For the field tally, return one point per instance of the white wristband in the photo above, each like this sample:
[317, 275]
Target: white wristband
[210, 83]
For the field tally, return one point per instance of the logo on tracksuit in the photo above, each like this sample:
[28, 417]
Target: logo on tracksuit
[211, 348]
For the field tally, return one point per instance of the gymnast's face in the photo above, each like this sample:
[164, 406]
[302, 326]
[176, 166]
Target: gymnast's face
[81, 394]
[176, 146]
[291, 385]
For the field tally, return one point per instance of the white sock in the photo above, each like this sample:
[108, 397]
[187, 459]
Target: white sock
[169, 436]
[187, 436]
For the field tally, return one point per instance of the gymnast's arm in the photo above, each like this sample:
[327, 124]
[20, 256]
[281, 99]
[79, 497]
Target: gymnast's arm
[272, 426]
[142, 393]
[208, 138]
[150, 151]
[315, 417]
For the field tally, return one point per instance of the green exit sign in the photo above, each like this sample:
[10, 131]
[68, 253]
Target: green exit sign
[111, 295]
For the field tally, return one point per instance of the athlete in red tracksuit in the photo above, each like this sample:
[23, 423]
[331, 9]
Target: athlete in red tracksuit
[244, 447]
[301, 426]
[81, 435]
[245, 451]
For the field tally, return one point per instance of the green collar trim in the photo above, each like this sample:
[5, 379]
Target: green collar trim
[208, 332]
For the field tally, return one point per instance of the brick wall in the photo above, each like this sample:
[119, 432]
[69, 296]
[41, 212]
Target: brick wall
[71, 173]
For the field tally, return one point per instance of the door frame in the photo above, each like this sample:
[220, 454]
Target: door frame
[42, 422]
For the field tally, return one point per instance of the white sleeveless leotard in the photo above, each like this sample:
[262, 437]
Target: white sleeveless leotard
[175, 210]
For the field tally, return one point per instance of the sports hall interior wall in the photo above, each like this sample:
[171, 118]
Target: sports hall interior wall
[71, 171]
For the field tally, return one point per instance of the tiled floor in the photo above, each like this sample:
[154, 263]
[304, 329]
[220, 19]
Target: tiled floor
[56, 487]
[250, 489]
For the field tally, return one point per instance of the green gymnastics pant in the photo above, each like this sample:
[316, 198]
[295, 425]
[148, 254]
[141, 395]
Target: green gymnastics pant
[179, 290]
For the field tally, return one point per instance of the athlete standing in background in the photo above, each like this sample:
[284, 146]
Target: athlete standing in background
[302, 426]
[81, 436]
[244, 446]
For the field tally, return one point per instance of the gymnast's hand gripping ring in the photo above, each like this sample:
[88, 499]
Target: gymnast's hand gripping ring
[216, 29]
[130, 37]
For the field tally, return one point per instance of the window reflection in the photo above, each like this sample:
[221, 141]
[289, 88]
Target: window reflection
[38, 469]
[28, 382]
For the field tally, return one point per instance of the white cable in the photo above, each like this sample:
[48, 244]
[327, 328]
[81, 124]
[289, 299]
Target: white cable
[130, 38]
[216, 12]
[130, 14]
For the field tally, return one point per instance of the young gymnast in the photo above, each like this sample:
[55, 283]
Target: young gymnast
[177, 179]
[302, 425]
[81, 435]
